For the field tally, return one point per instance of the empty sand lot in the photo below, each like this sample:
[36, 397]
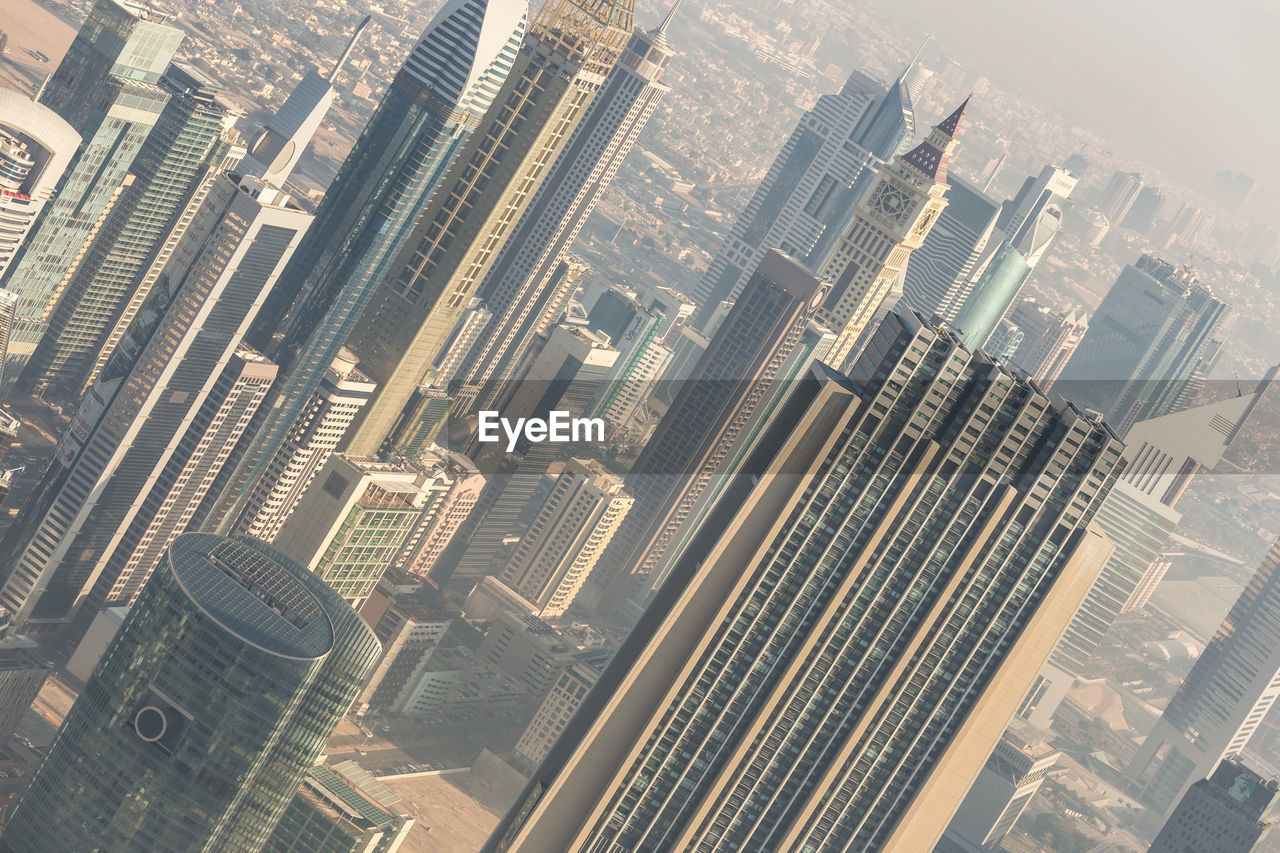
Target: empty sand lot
[30, 27]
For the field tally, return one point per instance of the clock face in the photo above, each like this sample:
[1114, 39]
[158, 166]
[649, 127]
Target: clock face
[891, 203]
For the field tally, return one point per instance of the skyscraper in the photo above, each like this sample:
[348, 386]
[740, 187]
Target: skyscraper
[1225, 813]
[1163, 455]
[1119, 195]
[939, 276]
[1157, 330]
[892, 218]
[342, 393]
[1028, 223]
[565, 374]
[805, 200]
[712, 409]
[510, 249]
[36, 146]
[132, 422]
[573, 526]
[186, 140]
[1050, 341]
[424, 122]
[106, 89]
[206, 711]
[831, 661]
[352, 526]
[1222, 701]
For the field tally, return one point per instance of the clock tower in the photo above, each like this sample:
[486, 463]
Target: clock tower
[892, 219]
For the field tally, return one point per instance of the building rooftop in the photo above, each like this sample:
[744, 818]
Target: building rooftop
[253, 596]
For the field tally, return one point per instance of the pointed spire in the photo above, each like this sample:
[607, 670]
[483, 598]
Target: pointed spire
[351, 45]
[666, 22]
[951, 123]
[930, 157]
[915, 57]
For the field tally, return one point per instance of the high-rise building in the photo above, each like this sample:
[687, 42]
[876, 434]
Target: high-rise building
[154, 268]
[1222, 701]
[186, 140]
[564, 375]
[1163, 455]
[409, 633]
[939, 276]
[1119, 195]
[208, 708]
[1144, 210]
[23, 671]
[830, 663]
[1050, 341]
[573, 526]
[585, 111]
[36, 146]
[1029, 222]
[636, 332]
[106, 88]
[806, 198]
[184, 481]
[1012, 775]
[342, 392]
[350, 528]
[425, 122]
[555, 712]
[893, 216]
[1226, 813]
[1156, 332]
[1231, 189]
[340, 809]
[165, 378]
[8, 314]
[709, 415]
[424, 552]
[134, 419]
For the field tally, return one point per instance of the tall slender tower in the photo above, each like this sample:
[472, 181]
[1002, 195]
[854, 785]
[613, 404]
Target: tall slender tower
[804, 202]
[513, 202]
[106, 89]
[521, 290]
[832, 659]
[107, 477]
[429, 114]
[187, 139]
[892, 219]
[709, 415]
[1163, 455]
[316, 434]
[209, 706]
[1222, 701]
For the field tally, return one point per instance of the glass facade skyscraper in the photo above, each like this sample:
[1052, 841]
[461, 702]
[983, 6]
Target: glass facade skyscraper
[106, 89]
[206, 710]
[186, 141]
[425, 118]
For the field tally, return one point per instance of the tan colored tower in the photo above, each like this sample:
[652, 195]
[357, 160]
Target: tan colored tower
[568, 50]
[836, 653]
[890, 222]
[567, 537]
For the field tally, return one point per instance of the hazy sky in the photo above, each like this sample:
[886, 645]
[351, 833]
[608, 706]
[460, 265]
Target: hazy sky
[1191, 82]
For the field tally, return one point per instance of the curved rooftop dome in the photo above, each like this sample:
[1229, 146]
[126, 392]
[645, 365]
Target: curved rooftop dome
[255, 595]
[20, 114]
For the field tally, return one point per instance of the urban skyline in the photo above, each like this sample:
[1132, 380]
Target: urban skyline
[919, 488]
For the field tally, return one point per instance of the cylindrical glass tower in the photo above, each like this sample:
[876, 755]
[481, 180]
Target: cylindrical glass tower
[204, 713]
